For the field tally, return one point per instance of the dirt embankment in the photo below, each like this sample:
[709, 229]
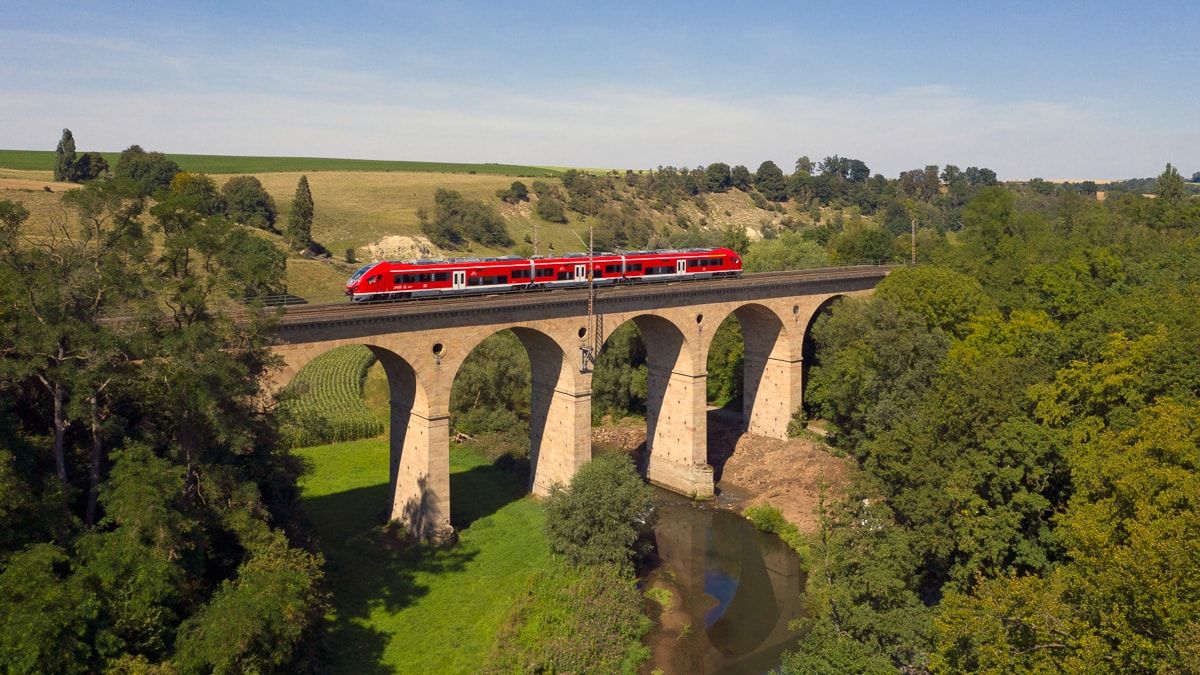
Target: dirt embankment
[790, 475]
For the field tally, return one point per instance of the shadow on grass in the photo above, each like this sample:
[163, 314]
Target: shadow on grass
[373, 567]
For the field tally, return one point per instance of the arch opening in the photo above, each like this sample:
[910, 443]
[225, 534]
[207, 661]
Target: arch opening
[646, 366]
[809, 345]
[520, 402]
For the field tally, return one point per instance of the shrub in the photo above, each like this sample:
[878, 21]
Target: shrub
[769, 519]
[598, 518]
[247, 202]
[550, 209]
[324, 403]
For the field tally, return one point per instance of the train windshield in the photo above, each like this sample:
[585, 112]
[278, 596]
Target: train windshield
[361, 271]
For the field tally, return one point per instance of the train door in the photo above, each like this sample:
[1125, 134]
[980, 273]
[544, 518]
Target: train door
[581, 273]
[680, 267]
[460, 279]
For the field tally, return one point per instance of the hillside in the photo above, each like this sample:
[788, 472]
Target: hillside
[376, 212]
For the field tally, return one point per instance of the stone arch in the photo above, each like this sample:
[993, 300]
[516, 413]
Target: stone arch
[676, 426]
[807, 346]
[560, 406]
[771, 377]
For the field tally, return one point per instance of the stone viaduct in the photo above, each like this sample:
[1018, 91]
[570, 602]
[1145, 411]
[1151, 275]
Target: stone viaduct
[422, 344]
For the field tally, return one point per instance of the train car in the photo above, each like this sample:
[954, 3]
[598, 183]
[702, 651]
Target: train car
[400, 280]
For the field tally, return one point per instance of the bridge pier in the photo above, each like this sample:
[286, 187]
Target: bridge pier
[420, 472]
[677, 431]
[560, 435]
[772, 390]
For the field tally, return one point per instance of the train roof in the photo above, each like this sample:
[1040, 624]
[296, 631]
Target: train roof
[562, 256]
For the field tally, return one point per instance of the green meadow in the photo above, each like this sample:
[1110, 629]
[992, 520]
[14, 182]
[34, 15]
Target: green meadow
[43, 160]
[398, 607]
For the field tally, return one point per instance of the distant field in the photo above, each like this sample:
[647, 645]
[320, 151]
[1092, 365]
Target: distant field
[43, 160]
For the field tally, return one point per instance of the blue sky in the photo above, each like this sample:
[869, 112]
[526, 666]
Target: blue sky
[1060, 90]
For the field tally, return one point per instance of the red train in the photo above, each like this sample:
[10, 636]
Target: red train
[396, 280]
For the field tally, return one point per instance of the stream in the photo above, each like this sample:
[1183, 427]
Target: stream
[733, 590]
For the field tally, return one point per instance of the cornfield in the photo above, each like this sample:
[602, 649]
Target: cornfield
[324, 403]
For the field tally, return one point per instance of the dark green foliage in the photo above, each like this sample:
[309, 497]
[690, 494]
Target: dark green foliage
[300, 218]
[255, 623]
[142, 446]
[622, 228]
[89, 166]
[717, 177]
[725, 363]
[741, 178]
[44, 614]
[198, 192]
[64, 157]
[456, 220]
[862, 244]
[619, 379]
[517, 192]
[580, 620]
[324, 402]
[491, 389]
[770, 182]
[151, 171]
[550, 209]
[247, 202]
[599, 517]
[788, 251]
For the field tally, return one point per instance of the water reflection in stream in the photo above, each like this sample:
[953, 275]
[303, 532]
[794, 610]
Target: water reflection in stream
[735, 590]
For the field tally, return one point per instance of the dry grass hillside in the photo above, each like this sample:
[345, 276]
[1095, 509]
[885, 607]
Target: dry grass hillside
[376, 214]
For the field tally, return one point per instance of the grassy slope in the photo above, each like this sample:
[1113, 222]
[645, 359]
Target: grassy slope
[43, 160]
[406, 609]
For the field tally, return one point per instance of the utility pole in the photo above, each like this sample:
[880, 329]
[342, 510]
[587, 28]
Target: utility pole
[914, 241]
[587, 352]
[535, 251]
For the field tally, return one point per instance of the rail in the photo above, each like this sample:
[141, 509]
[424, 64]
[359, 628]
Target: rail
[290, 302]
[320, 312]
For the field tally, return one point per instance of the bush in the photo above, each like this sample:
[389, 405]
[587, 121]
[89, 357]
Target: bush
[247, 202]
[767, 518]
[550, 209]
[324, 403]
[599, 518]
[456, 219]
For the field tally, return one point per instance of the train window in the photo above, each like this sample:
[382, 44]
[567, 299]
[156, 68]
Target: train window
[406, 278]
[612, 269]
[545, 272]
[597, 273]
[564, 276]
[520, 274]
[660, 270]
[634, 267]
[441, 276]
[425, 277]
[487, 281]
[714, 262]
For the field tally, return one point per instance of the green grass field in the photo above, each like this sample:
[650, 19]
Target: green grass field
[404, 608]
[43, 160]
[328, 404]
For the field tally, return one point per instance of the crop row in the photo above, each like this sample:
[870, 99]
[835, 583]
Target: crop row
[324, 403]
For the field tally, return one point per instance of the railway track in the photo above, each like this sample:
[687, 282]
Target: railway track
[332, 311]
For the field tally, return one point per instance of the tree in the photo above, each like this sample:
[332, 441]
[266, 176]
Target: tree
[64, 157]
[248, 203]
[717, 177]
[89, 166]
[1170, 186]
[740, 178]
[789, 251]
[858, 171]
[550, 209]
[200, 192]
[1196, 177]
[770, 182]
[804, 166]
[517, 192]
[151, 171]
[598, 518]
[300, 218]
[456, 219]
